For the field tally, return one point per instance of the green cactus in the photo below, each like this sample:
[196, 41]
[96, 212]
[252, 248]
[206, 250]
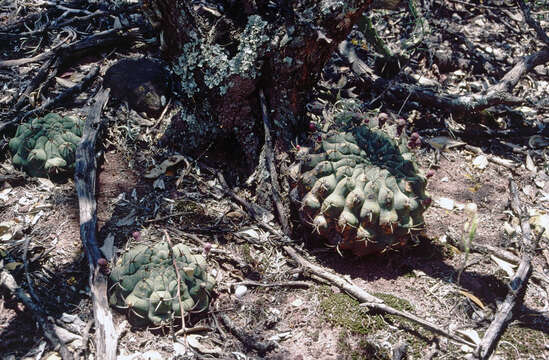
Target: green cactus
[47, 144]
[361, 188]
[145, 283]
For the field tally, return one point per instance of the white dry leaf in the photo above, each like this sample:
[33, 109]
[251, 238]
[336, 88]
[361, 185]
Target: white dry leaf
[540, 223]
[544, 196]
[530, 163]
[180, 350]
[161, 168]
[7, 229]
[504, 265]
[37, 217]
[45, 184]
[471, 335]
[539, 183]
[480, 162]
[159, 184]
[249, 233]
[240, 291]
[509, 229]
[194, 341]
[445, 203]
[151, 355]
[4, 194]
[297, 302]
[64, 82]
[281, 337]
[108, 247]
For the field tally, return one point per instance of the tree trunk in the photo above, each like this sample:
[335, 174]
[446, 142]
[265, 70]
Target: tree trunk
[225, 51]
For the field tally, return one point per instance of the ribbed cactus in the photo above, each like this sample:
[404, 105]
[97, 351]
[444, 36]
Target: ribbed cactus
[46, 144]
[145, 283]
[361, 188]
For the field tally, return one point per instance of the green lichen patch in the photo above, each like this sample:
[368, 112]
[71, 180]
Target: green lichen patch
[214, 62]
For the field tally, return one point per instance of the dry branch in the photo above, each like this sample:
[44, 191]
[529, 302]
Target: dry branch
[7, 280]
[533, 23]
[517, 285]
[268, 149]
[85, 182]
[366, 299]
[60, 56]
[73, 90]
[497, 94]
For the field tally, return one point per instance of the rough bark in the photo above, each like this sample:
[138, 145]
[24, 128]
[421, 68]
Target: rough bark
[223, 52]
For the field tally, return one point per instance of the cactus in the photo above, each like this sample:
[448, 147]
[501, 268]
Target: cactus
[46, 145]
[145, 283]
[360, 188]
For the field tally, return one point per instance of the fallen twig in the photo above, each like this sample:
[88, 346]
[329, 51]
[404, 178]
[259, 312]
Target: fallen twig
[254, 210]
[85, 339]
[533, 23]
[85, 183]
[359, 293]
[196, 329]
[366, 299]
[492, 158]
[268, 149]
[275, 284]
[517, 285]
[74, 90]
[7, 280]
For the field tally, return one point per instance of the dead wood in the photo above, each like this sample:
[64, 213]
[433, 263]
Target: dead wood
[301, 284]
[268, 149]
[107, 38]
[533, 23]
[497, 94]
[517, 285]
[60, 57]
[85, 183]
[38, 313]
[249, 340]
[72, 91]
[365, 298]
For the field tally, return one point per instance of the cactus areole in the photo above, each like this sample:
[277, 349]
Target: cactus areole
[145, 283]
[46, 145]
[360, 189]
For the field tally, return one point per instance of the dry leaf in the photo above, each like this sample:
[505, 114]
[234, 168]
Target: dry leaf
[444, 143]
[64, 82]
[471, 335]
[445, 203]
[161, 169]
[194, 341]
[480, 162]
[505, 266]
[473, 298]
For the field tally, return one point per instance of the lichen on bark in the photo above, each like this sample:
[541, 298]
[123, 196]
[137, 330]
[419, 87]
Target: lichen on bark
[222, 61]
